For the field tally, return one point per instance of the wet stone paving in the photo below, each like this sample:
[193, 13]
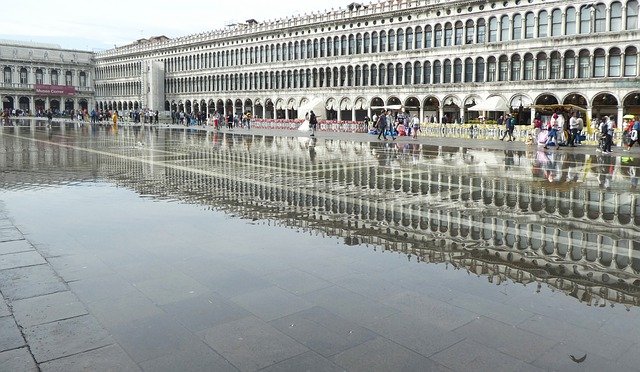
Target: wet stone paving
[166, 249]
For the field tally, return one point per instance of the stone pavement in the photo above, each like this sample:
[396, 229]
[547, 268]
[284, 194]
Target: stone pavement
[73, 306]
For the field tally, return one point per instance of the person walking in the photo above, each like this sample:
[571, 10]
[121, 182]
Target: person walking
[573, 128]
[553, 132]
[509, 125]
[382, 125]
[313, 123]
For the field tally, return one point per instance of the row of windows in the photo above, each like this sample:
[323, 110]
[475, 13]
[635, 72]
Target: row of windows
[541, 66]
[118, 89]
[126, 70]
[54, 77]
[584, 20]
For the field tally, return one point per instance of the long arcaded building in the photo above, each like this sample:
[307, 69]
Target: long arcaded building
[435, 58]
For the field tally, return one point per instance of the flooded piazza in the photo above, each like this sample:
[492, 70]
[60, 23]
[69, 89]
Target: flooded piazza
[173, 248]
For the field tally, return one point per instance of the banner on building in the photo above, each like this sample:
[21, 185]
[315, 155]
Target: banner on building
[55, 90]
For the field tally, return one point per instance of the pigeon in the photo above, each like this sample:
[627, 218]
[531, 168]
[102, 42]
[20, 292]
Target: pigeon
[578, 360]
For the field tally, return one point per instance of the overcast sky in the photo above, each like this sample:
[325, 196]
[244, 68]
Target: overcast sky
[87, 25]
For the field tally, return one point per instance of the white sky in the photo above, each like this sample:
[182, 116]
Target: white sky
[88, 25]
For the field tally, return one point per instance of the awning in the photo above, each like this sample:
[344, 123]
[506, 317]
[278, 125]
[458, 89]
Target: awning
[494, 103]
[567, 107]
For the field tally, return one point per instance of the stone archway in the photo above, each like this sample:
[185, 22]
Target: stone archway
[631, 104]
[431, 109]
[604, 104]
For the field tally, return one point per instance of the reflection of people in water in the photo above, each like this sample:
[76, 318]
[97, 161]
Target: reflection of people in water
[312, 149]
[605, 168]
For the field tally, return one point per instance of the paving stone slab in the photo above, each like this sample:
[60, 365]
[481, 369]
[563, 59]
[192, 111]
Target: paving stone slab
[271, 303]
[203, 312]
[152, 337]
[469, 355]
[381, 354]
[4, 308]
[251, 344]
[10, 336]
[126, 309]
[48, 308]
[31, 281]
[66, 337]
[308, 361]
[559, 359]
[198, 357]
[10, 234]
[17, 360]
[323, 331]
[297, 282]
[15, 246]
[21, 259]
[108, 358]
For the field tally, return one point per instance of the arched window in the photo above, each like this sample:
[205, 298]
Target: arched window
[504, 28]
[39, 76]
[344, 46]
[365, 75]
[556, 22]
[336, 46]
[323, 47]
[503, 68]
[479, 70]
[584, 68]
[23, 76]
[428, 37]
[585, 19]
[399, 74]
[569, 64]
[374, 42]
[446, 73]
[529, 26]
[358, 76]
[493, 29]
[352, 45]
[457, 70]
[459, 33]
[543, 23]
[482, 31]
[515, 67]
[615, 61]
[491, 69]
[83, 79]
[383, 41]
[517, 27]
[600, 18]
[528, 66]
[555, 65]
[419, 38]
[632, 15]
[366, 43]
[390, 74]
[359, 44]
[417, 72]
[541, 70]
[570, 25]
[468, 70]
[615, 22]
[630, 61]
[400, 40]
[599, 63]
[437, 38]
[408, 69]
[68, 78]
[426, 73]
[391, 41]
[382, 74]
[409, 41]
[448, 34]
[350, 76]
[469, 32]
[374, 75]
[437, 72]
[316, 48]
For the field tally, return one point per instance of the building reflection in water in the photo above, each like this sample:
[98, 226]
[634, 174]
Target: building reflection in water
[569, 221]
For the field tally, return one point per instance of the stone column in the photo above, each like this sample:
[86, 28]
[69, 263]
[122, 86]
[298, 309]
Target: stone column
[441, 112]
[619, 119]
[353, 113]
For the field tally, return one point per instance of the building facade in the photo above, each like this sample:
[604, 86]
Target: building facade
[434, 58]
[38, 77]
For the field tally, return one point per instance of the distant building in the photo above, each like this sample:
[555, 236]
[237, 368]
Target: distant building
[38, 76]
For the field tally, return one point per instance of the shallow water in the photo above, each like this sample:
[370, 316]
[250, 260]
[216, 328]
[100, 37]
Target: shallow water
[442, 236]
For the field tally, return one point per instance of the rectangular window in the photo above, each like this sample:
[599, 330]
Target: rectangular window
[481, 34]
[428, 42]
[598, 66]
[448, 34]
[39, 78]
[528, 69]
[7, 76]
[569, 67]
[614, 65]
[438, 39]
[491, 71]
[585, 21]
[515, 71]
[23, 77]
[459, 36]
[583, 72]
[542, 70]
[630, 65]
[418, 40]
[504, 71]
[469, 39]
[555, 68]
[493, 30]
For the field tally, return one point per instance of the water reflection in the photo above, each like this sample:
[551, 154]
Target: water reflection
[569, 221]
